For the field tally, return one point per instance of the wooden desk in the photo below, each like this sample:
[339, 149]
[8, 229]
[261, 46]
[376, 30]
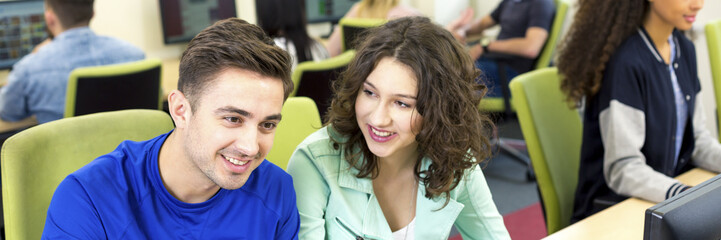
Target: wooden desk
[624, 220]
[169, 80]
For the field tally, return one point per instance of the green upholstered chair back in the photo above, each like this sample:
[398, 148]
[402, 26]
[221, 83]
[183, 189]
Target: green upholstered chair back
[497, 104]
[553, 136]
[300, 119]
[314, 79]
[352, 30]
[713, 39]
[134, 85]
[549, 50]
[36, 160]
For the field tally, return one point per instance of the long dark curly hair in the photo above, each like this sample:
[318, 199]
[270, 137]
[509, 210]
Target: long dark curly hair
[453, 131]
[598, 28]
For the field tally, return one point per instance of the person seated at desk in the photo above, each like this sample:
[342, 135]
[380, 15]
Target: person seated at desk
[380, 9]
[400, 155]
[524, 24]
[285, 22]
[207, 178]
[643, 117]
[37, 83]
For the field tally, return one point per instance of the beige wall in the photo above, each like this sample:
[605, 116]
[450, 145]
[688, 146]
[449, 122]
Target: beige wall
[138, 22]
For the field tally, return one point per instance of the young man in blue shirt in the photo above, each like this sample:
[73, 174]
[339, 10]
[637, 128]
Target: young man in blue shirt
[37, 83]
[206, 179]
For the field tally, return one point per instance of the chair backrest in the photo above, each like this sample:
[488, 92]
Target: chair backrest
[713, 39]
[314, 79]
[36, 160]
[553, 136]
[498, 104]
[352, 30]
[549, 49]
[300, 119]
[134, 85]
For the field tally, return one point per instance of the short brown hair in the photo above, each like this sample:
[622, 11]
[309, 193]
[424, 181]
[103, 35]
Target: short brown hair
[231, 43]
[72, 13]
[452, 130]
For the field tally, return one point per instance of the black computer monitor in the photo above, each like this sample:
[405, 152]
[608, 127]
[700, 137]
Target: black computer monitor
[327, 10]
[693, 214]
[183, 19]
[22, 26]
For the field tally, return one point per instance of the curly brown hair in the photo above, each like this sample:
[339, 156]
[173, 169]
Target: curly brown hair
[598, 28]
[452, 132]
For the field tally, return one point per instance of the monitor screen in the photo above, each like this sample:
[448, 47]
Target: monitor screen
[693, 214]
[183, 19]
[22, 26]
[327, 10]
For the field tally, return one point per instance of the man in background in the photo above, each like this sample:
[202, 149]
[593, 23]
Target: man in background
[37, 83]
[524, 24]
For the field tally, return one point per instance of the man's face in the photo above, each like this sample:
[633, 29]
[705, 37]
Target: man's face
[231, 129]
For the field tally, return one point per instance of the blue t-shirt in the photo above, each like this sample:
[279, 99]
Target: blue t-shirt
[121, 196]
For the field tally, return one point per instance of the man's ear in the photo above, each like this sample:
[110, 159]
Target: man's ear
[179, 108]
[51, 20]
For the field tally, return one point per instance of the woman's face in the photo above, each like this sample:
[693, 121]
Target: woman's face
[679, 13]
[386, 110]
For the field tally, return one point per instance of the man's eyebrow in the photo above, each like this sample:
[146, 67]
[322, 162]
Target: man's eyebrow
[274, 117]
[229, 109]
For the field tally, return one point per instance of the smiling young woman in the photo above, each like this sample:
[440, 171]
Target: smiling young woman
[399, 157]
[642, 123]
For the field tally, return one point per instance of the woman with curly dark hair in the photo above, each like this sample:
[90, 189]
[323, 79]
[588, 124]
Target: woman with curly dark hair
[642, 123]
[400, 155]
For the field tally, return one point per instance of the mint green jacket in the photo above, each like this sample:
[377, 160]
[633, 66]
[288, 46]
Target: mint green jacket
[335, 204]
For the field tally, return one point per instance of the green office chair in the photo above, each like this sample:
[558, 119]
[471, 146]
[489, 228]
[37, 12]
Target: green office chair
[501, 104]
[553, 135]
[504, 104]
[713, 39]
[353, 29]
[549, 50]
[314, 79]
[300, 119]
[36, 160]
[134, 85]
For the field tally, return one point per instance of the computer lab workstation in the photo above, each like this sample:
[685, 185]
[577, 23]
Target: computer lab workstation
[690, 215]
[163, 28]
[24, 28]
